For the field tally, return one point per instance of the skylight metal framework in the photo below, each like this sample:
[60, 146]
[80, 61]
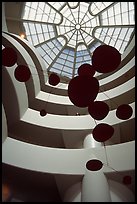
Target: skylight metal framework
[67, 33]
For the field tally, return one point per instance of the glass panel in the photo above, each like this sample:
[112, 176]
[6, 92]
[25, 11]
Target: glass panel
[118, 20]
[44, 27]
[132, 17]
[41, 51]
[55, 70]
[32, 14]
[35, 39]
[117, 8]
[125, 18]
[124, 6]
[48, 59]
[28, 4]
[34, 5]
[52, 35]
[38, 28]
[32, 28]
[29, 39]
[41, 38]
[131, 5]
[111, 21]
[26, 28]
[26, 13]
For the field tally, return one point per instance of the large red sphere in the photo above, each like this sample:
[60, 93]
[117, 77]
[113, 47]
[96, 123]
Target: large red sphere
[102, 132]
[86, 69]
[9, 56]
[22, 73]
[54, 79]
[82, 90]
[124, 112]
[106, 59]
[127, 180]
[98, 110]
[94, 165]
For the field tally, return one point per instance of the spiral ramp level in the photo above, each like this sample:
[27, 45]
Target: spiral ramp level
[44, 158]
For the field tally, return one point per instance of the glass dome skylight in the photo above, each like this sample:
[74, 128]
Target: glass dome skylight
[67, 33]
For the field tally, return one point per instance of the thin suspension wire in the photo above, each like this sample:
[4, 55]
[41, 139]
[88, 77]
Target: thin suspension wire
[51, 91]
[105, 153]
[108, 97]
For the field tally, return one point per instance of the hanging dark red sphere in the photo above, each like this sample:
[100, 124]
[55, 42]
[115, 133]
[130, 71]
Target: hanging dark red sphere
[106, 59]
[102, 132]
[127, 180]
[22, 73]
[43, 112]
[94, 165]
[86, 69]
[98, 109]
[54, 79]
[82, 90]
[124, 112]
[9, 57]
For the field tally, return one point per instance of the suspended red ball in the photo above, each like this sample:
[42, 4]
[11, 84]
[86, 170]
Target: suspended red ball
[82, 90]
[127, 180]
[54, 79]
[106, 59]
[86, 69]
[102, 132]
[98, 109]
[94, 165]
[124, 112]
[22, 73]
[9, 57]
[43, 112]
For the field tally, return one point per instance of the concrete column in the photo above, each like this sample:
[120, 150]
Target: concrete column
[90, 142]
[95, 187]
[73, 194]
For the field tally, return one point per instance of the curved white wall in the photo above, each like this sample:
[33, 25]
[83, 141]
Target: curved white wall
[64, 100]
[119, 73]
[66, 161]
[23, 58]
[70, 122]
[4, 25]
[4, 125]
[34, 54]
[20, 89]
